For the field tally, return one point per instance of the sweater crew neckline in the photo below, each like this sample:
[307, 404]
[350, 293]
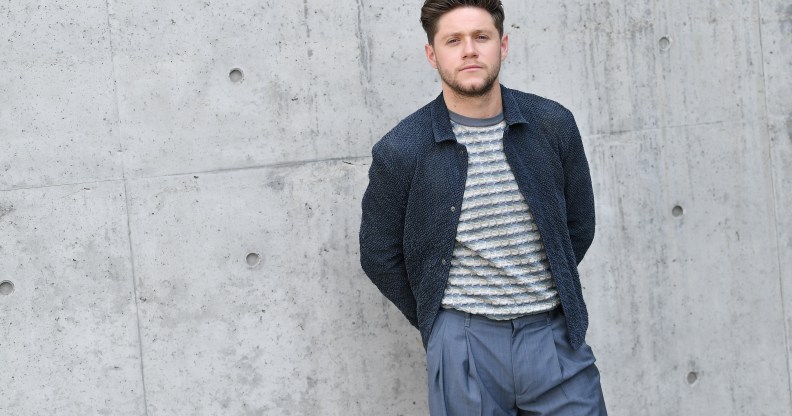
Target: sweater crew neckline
[475, 122]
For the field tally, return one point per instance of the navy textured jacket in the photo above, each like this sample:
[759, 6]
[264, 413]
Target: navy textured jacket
[416, 183]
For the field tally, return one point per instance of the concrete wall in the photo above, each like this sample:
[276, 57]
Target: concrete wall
[177, 239]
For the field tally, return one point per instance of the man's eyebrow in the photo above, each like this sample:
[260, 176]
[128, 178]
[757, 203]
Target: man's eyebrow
[448, 35]
[472, 32]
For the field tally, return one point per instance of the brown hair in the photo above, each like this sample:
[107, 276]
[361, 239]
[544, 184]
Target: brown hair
[432, 10]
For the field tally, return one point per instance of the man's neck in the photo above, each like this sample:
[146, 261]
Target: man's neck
[485, 106]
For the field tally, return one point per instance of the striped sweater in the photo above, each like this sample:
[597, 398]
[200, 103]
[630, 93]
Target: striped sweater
[499, 267]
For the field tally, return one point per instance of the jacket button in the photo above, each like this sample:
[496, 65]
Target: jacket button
[443, 262]
[453, 209]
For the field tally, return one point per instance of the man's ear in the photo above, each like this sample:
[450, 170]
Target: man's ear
[430, 55]
[504, 47]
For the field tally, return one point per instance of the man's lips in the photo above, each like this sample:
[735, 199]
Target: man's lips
[470, 67]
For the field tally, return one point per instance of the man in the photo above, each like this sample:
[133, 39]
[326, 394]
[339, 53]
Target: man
[479, 209]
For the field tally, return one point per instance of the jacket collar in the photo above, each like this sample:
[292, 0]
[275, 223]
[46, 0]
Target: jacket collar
[441, 123]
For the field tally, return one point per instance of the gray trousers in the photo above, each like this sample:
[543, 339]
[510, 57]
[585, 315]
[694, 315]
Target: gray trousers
[525, 366]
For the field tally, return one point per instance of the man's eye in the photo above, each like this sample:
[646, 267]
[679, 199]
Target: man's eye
[450, 41]
[483, 37]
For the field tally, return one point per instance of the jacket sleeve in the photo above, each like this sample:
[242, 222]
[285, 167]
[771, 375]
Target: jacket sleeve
[578, 191]
[382, 230]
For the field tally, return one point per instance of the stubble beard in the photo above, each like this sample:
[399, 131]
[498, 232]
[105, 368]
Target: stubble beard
[472, 91]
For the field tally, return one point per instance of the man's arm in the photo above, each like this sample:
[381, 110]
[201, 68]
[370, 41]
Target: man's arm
[578, 192]
[382, 230]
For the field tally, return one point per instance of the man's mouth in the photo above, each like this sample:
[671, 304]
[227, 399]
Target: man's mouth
[470, 67]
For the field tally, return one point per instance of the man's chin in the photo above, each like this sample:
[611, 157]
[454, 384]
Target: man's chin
[473, 89]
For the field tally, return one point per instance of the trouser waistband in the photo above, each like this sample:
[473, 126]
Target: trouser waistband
[522, 320]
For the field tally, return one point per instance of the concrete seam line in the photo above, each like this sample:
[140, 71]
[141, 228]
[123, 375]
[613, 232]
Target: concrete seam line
[126, 206]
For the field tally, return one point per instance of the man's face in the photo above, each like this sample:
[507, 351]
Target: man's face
[467, 51]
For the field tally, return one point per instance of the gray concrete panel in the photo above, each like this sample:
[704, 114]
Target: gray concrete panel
[621, 289]
[711, 69]
[300, 331]
[623, 66]
[68, 329]
[309, 89]
[781, 134]
[597, 58]
[688, 310]
[57, 113]
[777, 47]
[397, 71]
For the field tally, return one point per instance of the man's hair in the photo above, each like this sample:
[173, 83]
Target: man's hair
[432, 10]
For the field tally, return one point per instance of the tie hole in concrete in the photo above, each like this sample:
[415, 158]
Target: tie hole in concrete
[6, 288]
[665, 43]
[236, 75]
[692, 378]
[253, 259]
[677, 211]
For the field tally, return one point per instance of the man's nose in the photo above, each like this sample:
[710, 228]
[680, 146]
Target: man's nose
[469, 48]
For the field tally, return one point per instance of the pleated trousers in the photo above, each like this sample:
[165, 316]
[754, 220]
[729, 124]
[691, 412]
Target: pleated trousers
[525, 366]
